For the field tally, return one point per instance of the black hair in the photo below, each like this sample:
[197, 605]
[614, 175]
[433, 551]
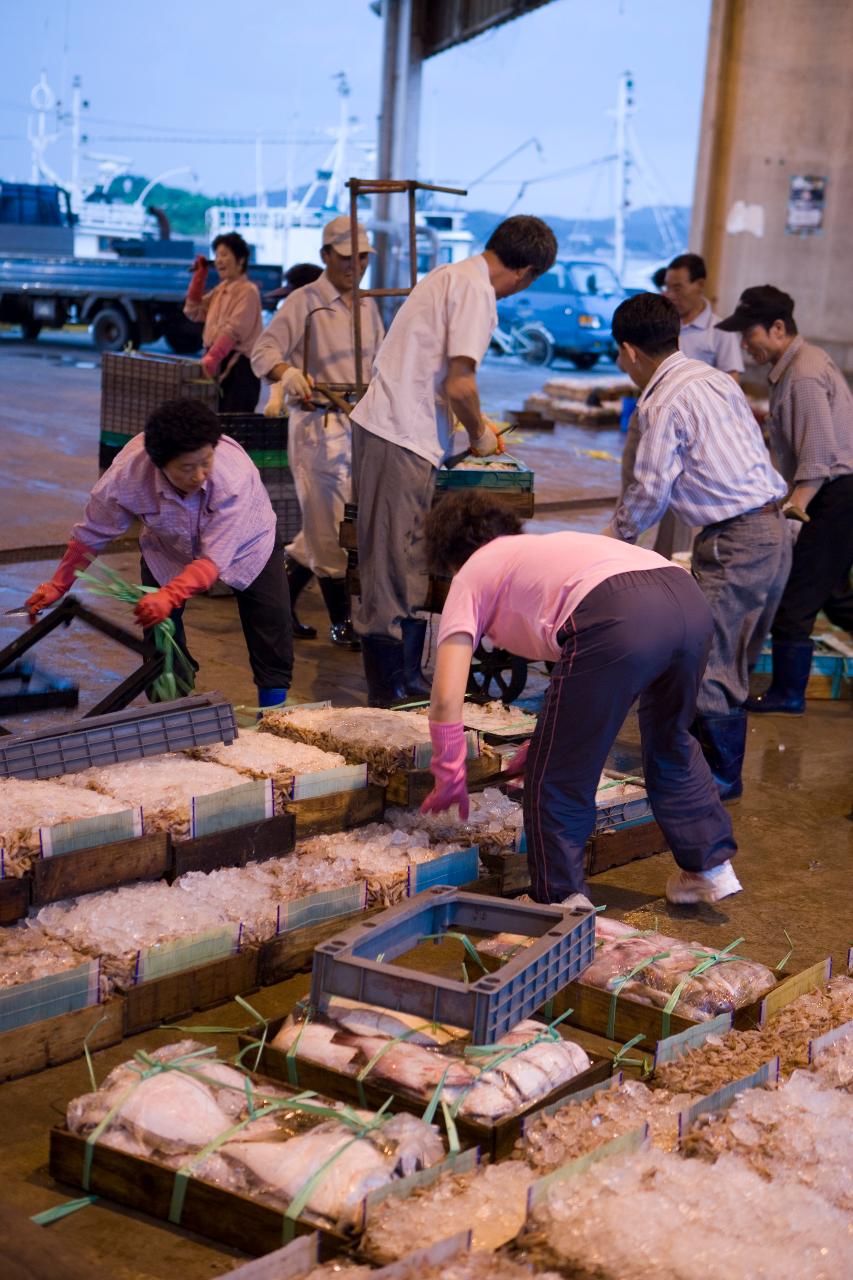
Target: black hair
[302, 273]
[659, 277]
[180, 426]
[524, 241]
[235, 242]
[462, 523]
[692, 264]
[649, 322]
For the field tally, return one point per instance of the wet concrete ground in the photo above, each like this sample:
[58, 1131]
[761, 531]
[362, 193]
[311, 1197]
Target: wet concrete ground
[792, 826]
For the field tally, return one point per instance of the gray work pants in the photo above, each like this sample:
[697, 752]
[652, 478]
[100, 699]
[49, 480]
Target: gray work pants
[672, 534]
[394, 490]
[742, 566]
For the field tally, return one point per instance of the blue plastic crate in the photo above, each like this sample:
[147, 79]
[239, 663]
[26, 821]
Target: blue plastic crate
[833, 666]
[357, 964]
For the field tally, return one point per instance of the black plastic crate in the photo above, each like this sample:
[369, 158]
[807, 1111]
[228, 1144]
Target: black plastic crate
[122, 735]
[256, 433]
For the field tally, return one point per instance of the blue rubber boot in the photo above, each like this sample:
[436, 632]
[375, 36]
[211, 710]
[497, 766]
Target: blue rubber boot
[723, 743]
[269, 698]
[792, 663]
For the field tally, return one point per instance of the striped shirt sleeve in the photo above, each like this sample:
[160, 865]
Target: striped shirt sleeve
[657, 465]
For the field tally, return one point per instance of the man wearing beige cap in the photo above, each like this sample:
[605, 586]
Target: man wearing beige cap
[319, 443]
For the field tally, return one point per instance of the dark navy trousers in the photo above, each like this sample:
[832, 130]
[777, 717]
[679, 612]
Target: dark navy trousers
[642, 636]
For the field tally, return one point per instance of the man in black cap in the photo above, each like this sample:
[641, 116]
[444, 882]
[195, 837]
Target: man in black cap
[811, 438]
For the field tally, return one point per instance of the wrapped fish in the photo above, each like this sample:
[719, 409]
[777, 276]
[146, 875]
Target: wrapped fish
[405, 1054]
[175, 1103]
[28, 806]
[708, 984]
[163, 785]
[263, 755]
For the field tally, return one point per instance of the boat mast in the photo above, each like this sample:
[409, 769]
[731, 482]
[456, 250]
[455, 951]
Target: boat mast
[624, 109]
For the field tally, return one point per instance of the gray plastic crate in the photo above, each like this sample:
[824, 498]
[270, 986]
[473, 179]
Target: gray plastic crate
[349, 965]
[122, 735]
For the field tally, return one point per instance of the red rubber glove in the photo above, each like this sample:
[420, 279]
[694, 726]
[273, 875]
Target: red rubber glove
[195, 293]
[156, 607]
[213, 357]
[447, 766]
[76, 557]
[518, 763]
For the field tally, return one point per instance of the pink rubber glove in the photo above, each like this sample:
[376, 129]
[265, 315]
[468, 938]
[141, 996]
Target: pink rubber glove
[76, 557]
[156, 607]
[213, 357]
[195, 293]
[447, 766]
[518, 763]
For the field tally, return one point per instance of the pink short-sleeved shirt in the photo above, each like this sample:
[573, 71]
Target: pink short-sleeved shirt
[519, 590]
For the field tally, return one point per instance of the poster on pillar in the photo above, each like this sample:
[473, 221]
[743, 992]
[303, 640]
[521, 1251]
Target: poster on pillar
[806, 198]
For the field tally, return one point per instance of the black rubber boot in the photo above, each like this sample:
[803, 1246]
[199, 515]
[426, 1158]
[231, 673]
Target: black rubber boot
[337, 604]
[383, 669]
[723, 743]
[792, 663]
[298, 577]
[414, 634]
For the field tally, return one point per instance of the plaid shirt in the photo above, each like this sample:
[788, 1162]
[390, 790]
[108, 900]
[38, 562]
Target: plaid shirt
[700, 451]
[229, 521]
[811, 416]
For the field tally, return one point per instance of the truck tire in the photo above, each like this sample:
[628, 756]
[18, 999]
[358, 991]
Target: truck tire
[584, 359]
[30, 329]
[111, 329]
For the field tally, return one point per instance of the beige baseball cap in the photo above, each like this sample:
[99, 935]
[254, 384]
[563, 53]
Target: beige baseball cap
[337, 235]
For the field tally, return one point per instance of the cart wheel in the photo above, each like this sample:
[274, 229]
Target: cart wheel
[496, 674]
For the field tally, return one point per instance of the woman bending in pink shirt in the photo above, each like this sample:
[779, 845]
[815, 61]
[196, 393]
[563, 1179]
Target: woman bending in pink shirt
[619, 623]
[232, 322]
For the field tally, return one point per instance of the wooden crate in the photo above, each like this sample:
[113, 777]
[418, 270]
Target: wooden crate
[234, 847]
[410, 787]
[494, 1140]
[339, 811]
[14, 898]
[102, 867]
[24, 1050]
[603, 851]
[292, 952]
[141, 1184]
[148, 1004]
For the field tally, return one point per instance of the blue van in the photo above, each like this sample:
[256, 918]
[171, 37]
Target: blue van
[574, 302]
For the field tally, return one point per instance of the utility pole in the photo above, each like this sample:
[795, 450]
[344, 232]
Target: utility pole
[624, 109]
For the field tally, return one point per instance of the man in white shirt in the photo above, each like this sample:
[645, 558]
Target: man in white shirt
[684, 285]
[424, 381]
[319, 446]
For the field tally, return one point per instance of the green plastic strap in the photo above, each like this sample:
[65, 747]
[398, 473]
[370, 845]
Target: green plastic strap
[787, 956]
[47, 1216]
[460, 937]
[90, 1066]
[366, 1070]
[290, 1056]
[450, 1126]
[432, 1105]
[619, 1056]
[620, 983]
[302, 1197]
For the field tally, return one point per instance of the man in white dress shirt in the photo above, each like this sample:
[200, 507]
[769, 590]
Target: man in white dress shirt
[424, 383]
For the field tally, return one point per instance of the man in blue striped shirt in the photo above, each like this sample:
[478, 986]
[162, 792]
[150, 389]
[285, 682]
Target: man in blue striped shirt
[701, 453]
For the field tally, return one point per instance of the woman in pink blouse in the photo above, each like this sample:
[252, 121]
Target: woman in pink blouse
[232, 322]
[619, 623]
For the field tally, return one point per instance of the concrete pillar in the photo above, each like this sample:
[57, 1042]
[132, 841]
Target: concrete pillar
[399, 116]
[779, 103]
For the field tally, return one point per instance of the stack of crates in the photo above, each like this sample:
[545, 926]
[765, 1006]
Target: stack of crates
[265, 441]
[134, 384]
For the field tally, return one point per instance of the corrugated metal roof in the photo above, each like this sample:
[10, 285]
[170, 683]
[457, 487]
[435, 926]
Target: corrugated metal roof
[445, 23]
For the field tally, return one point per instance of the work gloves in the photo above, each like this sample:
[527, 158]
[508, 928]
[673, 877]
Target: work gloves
[156, 606]
[195, 293]
[449, 752]
[274, 407]
[213, 357]
[77, 556]
[488, 443]
[295, 384]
